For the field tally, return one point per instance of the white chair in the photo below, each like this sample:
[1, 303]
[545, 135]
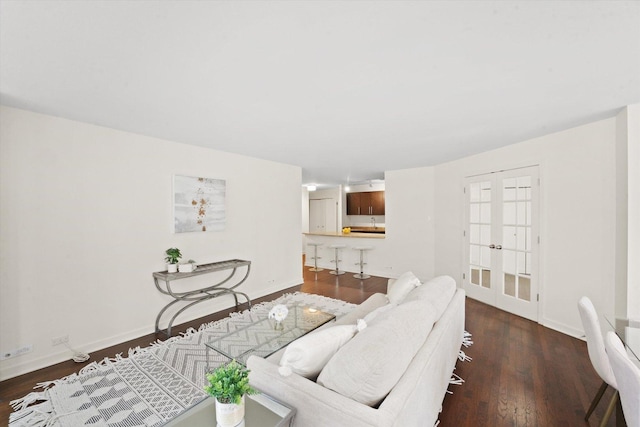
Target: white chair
[315, 257]
[361, 275]
[627, 376]
[598, 356]
[337, 259]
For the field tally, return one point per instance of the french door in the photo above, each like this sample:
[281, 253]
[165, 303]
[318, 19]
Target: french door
[501, 240]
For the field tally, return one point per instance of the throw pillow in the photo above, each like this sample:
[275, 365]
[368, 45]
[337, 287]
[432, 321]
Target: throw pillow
[401, 287]
[307, 355]
[367, 367]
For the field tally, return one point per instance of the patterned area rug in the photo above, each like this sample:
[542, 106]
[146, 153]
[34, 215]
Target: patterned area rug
[151, 385]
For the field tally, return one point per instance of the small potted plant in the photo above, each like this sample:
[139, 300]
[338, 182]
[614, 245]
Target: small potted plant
[172, 258]
[228, 384]
[187, 267]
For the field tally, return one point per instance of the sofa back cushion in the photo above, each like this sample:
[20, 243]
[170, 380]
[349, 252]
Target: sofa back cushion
[367, 367]
[438, 291]
[307, 355]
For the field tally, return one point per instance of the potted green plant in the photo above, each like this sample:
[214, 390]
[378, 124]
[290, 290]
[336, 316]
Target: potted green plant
[172, 258]
[228, 384]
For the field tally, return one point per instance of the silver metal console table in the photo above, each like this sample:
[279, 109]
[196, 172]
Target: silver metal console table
[196, 296]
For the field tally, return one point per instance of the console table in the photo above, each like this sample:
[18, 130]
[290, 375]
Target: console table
[196, 296]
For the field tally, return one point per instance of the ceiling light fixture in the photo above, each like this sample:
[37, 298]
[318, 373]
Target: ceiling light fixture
[311, 187]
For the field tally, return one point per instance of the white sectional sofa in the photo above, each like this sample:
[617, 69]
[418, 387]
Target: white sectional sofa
[394, 372]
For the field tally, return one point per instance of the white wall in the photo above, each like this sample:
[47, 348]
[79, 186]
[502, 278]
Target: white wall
[577, 223]
[633, 292]
[628, 213]
[86, 214]
[410, 220]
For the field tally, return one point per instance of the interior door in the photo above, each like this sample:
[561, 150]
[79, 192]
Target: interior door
[317, 216]
[501, 240]
[323, 215]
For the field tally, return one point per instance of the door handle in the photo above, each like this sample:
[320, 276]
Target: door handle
[492, 246]
[498, 247]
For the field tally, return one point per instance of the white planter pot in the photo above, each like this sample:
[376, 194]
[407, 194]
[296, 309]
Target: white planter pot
[172, 268]
[186, 268]
[229, 414]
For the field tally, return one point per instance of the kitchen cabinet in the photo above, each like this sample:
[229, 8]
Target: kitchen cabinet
[365, 203]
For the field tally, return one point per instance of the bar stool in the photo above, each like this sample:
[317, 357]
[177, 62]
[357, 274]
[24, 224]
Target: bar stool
[337, 248]
[361, 275]
[315, 256]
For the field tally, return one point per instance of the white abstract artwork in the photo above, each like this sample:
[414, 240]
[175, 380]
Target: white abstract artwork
[198, 204]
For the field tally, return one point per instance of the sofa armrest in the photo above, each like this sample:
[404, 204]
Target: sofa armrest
[314, 404]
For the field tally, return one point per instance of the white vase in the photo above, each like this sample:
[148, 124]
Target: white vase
[172, 268]
[186, 268]
[229, 414]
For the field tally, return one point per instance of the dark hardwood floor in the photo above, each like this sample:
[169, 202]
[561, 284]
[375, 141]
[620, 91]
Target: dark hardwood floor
[522, 374]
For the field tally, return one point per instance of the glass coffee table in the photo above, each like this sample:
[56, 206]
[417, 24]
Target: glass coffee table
[260, 411]
[266, 336]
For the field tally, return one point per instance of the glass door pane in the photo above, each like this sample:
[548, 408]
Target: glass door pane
[516, 237]
[480, 234]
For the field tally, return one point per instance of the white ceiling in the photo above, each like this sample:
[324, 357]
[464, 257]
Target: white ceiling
[344, 89]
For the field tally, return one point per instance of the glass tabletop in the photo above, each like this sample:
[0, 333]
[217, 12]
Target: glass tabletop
[629, 333]
[266, 336]
[260, 411]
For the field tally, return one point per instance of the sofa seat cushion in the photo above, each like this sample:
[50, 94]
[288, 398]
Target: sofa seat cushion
[367, 367]
[438, 291]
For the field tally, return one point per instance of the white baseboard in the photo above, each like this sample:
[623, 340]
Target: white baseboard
[562, 328]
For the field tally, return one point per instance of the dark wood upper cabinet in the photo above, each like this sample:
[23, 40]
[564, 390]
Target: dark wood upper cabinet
[377, 203]
[353, 203]
[365, 203]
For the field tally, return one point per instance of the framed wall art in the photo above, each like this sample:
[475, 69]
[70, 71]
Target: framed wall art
[198, 204]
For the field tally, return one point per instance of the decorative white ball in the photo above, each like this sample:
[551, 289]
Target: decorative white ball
[278, 312]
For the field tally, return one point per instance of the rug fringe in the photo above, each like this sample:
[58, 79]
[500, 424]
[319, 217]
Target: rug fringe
[463, 357]
[466, 339]
[30, 398]
[42, 415]
[45, 385]
[34, 416]
[455, 379]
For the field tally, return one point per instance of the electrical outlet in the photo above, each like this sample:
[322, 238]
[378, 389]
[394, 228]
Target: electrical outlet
[16, 352]
[60, 340]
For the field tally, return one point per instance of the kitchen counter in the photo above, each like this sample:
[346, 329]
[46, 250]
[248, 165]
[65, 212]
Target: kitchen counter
[364, 229]
[352, 234]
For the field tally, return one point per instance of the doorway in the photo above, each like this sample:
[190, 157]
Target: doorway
[502, 240]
